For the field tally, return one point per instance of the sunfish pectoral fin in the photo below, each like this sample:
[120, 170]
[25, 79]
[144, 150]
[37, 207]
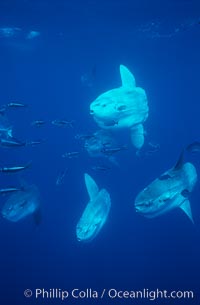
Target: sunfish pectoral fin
[137, 136]
[185, 207]
[128, 80]
[91, 186]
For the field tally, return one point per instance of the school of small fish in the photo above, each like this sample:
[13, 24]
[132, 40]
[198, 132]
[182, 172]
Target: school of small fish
[123, 108]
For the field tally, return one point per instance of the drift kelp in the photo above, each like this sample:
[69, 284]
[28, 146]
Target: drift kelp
[95, 213]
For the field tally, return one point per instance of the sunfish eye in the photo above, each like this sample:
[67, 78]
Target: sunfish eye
[104, 105]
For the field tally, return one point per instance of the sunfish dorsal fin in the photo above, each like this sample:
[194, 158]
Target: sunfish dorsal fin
[187, 209]
[91, 186]
[128, 80]
[180, 161]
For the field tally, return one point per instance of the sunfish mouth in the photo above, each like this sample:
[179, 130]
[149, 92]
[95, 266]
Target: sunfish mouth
[138, 209]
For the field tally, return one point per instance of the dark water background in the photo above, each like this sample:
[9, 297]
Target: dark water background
[160, 44]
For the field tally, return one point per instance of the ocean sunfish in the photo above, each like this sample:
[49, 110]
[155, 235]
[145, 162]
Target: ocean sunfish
[171, 190]
[125, 107]
[95, 213]
[23, 203]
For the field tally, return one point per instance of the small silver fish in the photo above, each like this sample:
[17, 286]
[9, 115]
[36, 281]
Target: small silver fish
[34, 143]
[112, 150]
[9, 190]
[63, 123]
[16, 105]
[71, 154]
[100, 168]
[14, 169]
[12, 142]
[38, 123]
[61, 176]
[9, 31]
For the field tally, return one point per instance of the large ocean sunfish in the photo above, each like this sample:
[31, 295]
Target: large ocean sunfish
[123, 107]
[96, 212]
[171, 190]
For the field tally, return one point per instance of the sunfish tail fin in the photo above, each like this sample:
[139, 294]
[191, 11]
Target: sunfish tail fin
[127, 78]
[91, 186]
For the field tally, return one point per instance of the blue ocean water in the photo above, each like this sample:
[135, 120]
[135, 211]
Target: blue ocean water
[74, 57]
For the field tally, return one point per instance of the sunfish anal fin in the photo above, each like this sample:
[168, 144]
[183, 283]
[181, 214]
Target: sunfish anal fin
[185, 207]
[137, 136]
[128, 80]
[91, 186]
